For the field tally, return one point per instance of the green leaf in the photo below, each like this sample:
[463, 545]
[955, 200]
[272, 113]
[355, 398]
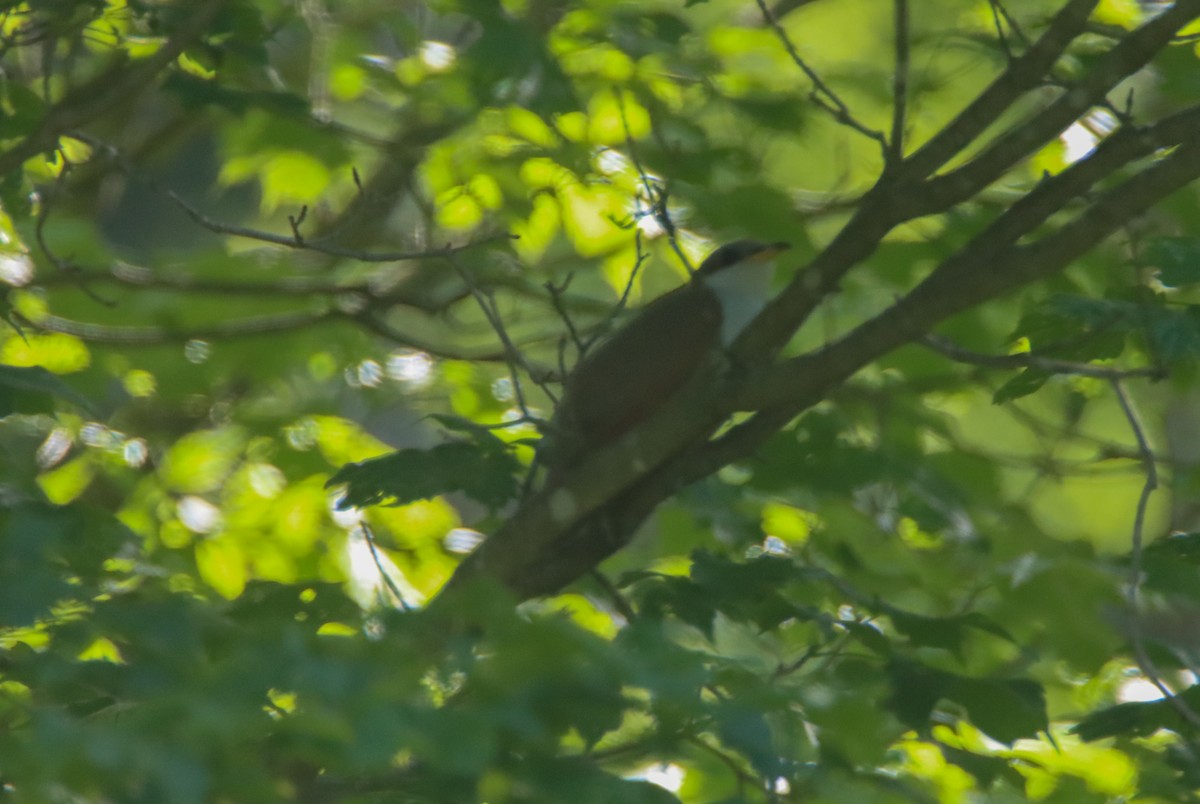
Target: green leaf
[1080, 328]
[1024, 384]
[1174, 335]
[22, 110]
[1177, 546]
[943, 632]
[27, 389]
[916, 690]
[1138, 718]
[746, 730]
[487, 475]
[1006, 709]
[746, 592]
[50, 553]
[1177, 258]
[986, 769]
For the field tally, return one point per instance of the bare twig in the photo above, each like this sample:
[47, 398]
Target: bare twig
[66, 269]
[821, 94]
[1000, 18]
[513, 357]
[154, 336]
[1023, 74]
[296, 221]
[623, 302]
[1137, 638]
[623, 606]
[785, 7]
[388, 581]
[656, 197]
[960, 354]
[371, 321]
[124, 273]
[899, 82]
[1001, 37]
[556, 299]
[297, 242]
[632, 146]
[743, 777]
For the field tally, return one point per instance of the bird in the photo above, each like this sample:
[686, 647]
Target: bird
[628, 376]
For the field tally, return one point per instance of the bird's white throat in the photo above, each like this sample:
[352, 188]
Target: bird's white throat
[743, 291]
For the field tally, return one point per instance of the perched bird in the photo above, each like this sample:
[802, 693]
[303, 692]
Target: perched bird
[626, 378]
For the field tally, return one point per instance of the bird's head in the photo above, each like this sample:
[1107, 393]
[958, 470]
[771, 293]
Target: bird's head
[738, 275]
[739, 252]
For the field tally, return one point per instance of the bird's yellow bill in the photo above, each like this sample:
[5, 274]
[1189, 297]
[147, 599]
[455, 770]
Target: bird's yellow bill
[771, 252]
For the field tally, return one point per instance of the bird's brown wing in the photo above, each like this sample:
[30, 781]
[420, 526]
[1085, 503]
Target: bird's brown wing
[624, 379]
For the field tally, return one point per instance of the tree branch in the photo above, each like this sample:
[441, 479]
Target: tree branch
[1137, 637]
[118, 83]
[1027, 360]
[1129, 55]
[899, 82]
[989, 266]
[554, 538]
[822, 94]
[562, 532]
[1024, 73]
[218, 227]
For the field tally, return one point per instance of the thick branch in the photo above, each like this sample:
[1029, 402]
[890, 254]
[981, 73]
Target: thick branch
[553, 539]
[528, 553]
[562, 532]
[972, 276]
[1023, 74]
[1128, 56]
[895, 198]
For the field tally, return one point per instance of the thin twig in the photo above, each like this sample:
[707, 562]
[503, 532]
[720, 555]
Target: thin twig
[1011, 21]
[296, 221]
[1000, 18]
[513, 357]
[899, 82]
[296, 242]
[607, 324]
[742, 776]
[556, 292]
[821, 94]
[1137, 638]
[124, 273]
[656, 197]
[1000, 35]
[623, 606]
[369, 320]
[388, 581]
[66, 269]
[960, 354]
[155, 336]
[642, 256]
[632, 146]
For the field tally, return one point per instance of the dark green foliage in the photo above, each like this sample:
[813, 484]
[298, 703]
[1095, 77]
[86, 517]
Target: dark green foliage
[1138, 719]
[904, 593]
[484, 470]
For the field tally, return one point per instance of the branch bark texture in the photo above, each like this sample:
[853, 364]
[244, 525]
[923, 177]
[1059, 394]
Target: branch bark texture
[563, 532]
